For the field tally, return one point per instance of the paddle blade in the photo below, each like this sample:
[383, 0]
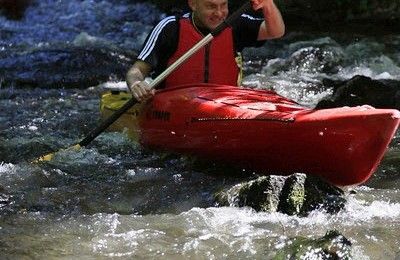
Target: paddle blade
[50, 156]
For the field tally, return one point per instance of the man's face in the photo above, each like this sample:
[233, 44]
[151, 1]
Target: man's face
[209, 13]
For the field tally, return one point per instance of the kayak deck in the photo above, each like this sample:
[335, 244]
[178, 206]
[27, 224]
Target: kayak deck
[260, 130]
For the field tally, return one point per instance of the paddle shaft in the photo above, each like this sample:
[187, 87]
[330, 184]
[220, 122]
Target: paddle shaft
[160, 78]
[107, 122]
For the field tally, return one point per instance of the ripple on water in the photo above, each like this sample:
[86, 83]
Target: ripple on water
[232, 232]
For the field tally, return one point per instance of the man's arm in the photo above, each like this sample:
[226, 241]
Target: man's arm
[158, 47]
[273, 25]
[135, 80]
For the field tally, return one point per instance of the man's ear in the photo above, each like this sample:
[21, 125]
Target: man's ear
[192, 4]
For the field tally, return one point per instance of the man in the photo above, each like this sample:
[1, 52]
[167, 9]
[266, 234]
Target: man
[214, 63]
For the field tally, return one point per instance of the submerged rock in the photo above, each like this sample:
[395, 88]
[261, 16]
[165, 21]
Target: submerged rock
[294, 194]
[361, 90]
[331, 246]
[14, 149]
[63, 66]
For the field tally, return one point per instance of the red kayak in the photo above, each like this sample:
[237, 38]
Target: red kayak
[260, 130]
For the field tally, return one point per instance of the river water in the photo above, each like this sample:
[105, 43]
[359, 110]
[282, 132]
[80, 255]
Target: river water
[115, 200]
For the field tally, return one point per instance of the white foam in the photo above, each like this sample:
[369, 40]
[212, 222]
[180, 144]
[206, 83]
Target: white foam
[118, 86]
[6, 167]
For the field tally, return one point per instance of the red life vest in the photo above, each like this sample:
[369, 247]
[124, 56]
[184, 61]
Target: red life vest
[214, 63]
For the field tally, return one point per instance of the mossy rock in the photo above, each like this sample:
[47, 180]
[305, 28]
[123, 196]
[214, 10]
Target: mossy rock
[331, 246]
[262, 194]
[297, 194]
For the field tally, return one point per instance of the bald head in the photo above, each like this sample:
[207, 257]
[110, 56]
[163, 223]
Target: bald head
[209, 13]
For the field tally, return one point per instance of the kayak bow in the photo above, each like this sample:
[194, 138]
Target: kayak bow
[260, 130]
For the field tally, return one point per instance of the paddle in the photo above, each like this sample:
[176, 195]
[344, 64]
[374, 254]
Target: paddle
[106, 123]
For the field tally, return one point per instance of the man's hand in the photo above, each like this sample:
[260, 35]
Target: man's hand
[135, 81]
[258, 4]
[141, 90]
[273, 26]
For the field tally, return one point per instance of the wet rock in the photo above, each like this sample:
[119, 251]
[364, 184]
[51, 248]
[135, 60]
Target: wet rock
[320, 194]
[316, 59]
[14, 9]
[293, 197]
[294, 194]
[261, 194]
[361, 90]
[331, 246]
[18, 149]
[63, 66]
[325, 58]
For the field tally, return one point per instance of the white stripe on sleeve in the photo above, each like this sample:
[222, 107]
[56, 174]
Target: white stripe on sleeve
[148, 48]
